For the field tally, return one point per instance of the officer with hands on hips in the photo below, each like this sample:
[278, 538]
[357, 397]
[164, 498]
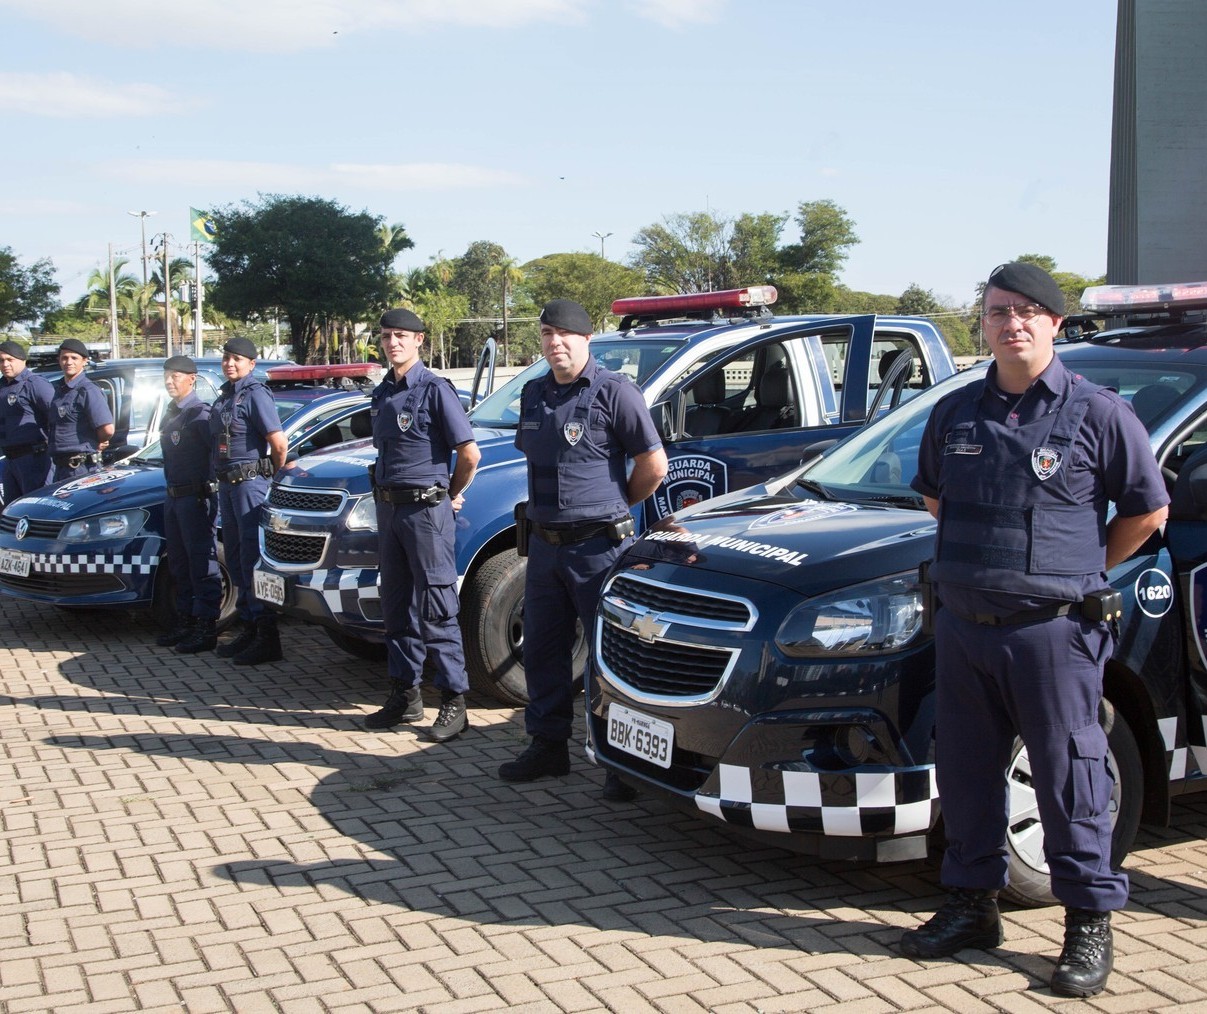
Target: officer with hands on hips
[579, 426]
[25, 401]
[1019, 469]
[81, 421]
[249, 446]
[189, 512]
[418, 421]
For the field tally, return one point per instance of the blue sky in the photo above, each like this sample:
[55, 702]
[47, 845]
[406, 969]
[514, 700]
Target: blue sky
[955, 134]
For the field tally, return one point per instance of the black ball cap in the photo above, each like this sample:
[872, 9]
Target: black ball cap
[244, 347]
[14, 349]
[566, 315]
[401, 319]
[180, 364]
[1030, 281]
[76, 346]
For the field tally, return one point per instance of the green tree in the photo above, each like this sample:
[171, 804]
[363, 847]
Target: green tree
[26, 294]
[394, 241]
[307, 259]
[703, 252]
[826, 235]
[916, 300]
[95, 302]
[429, 294]
[506, 273]
[472, 279]
[589, 279]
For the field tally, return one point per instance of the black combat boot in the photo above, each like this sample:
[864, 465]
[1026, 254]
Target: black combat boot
[544, 757]
[404, 706]
[452, 719]
[240, 642]
[181, 629]
[617, 790]
[204, 637]
[1086, 960]
[967, 919]
[265, 645]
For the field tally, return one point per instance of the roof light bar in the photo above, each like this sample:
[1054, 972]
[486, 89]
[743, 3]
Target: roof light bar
[687, 302]
[1136, 298]
[326, 371]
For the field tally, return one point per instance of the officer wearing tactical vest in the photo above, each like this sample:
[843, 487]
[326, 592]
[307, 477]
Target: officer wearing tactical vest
[81, 421]
[189, 512]
[248, 447]
[579, 426]
[24, 422]
[418, 422]
[1019, 469]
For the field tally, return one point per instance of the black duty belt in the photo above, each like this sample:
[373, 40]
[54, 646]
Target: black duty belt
[573, 534]
[191, 489]
[429, 495]
[1025, 615]
[22, 450]
[77, 459]
[241, 471]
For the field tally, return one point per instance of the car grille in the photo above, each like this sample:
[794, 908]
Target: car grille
[646, 639]
[37, 529]
[62, 585]
[292, 550]
[289, 498]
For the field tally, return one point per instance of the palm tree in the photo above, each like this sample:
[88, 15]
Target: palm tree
[508, 270]
[125, 288]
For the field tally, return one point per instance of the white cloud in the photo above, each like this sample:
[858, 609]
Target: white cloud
[60, 94]
[677, 13]
[283, 26]
[275, 177]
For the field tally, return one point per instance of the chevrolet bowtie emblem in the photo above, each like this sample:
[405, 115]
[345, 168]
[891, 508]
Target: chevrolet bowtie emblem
[647, 626]
[277, 522]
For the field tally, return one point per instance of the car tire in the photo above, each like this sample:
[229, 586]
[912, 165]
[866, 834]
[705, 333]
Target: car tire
[492, 627]
[163, 595]
[373, 651]
[1030, 884]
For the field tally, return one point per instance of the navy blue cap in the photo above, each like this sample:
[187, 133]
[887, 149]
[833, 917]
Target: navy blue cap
[14, 349]
[74, 345]
[244, 347]
[402, 319]
[180, 364]
[1030, 281]
[566, 315]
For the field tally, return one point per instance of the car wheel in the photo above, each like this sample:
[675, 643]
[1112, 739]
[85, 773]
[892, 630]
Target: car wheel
[163, 594]
[492, 626]
[1030, 883]
[374, 651]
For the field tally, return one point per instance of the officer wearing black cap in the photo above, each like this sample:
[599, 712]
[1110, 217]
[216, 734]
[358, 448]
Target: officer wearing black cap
[24, 422]
[248, 446]
[1019, 469]
[81, 421]
[189, 511]
[579, 426]
[418, 422]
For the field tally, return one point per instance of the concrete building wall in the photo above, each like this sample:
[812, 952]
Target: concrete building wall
[1158, 203]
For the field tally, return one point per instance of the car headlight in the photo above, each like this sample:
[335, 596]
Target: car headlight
[119, 525]
[363, 517]
[868, 619]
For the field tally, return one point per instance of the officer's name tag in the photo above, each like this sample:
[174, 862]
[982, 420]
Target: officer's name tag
[530, 426]
[962, 449]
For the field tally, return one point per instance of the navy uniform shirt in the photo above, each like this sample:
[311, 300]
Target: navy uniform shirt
[185, 441]
[417, 422]
[241, 419]
[77, 411]
[24, 409]
[1111, 460]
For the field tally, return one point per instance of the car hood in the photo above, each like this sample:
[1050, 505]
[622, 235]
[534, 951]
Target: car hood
[807, 546]
[114, 488]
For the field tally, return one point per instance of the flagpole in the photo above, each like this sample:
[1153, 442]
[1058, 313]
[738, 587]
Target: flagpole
[198, 343]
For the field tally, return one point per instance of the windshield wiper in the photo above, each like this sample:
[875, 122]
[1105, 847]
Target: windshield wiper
[816, 488]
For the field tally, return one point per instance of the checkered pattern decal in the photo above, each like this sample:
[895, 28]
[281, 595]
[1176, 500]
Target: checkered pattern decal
[94, 563]
[881, 803]
[343, 590]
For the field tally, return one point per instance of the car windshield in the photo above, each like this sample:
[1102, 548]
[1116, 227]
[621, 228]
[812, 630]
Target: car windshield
[879, 462]
[637, 360]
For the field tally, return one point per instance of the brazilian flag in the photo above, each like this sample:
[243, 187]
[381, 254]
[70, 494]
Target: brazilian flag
[201, 226]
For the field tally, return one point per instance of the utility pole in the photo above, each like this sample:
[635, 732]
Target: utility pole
[167, 300]
[198, 344]
[142, 217]
[601, 236]
[112, 307]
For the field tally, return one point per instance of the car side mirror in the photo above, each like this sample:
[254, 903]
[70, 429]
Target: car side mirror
[670, 418]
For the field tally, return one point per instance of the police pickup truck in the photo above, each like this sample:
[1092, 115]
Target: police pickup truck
[760, 658]
[739, 395]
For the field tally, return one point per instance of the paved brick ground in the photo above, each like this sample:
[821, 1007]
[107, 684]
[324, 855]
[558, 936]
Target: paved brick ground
[191, 836]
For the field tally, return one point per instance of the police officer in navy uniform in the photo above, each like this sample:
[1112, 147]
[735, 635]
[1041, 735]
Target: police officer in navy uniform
[81, 421]
[1019, 469]
[249, 446]
[24, 422]
[580, 424]
[418, 421]
[189, 512]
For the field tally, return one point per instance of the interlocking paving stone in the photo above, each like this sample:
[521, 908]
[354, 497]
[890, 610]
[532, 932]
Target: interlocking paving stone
[185, 835]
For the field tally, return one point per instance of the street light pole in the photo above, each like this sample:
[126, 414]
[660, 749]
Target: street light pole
[601, 236]
[142, 218]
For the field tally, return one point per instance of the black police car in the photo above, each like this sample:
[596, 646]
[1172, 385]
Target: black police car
[760, 656]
